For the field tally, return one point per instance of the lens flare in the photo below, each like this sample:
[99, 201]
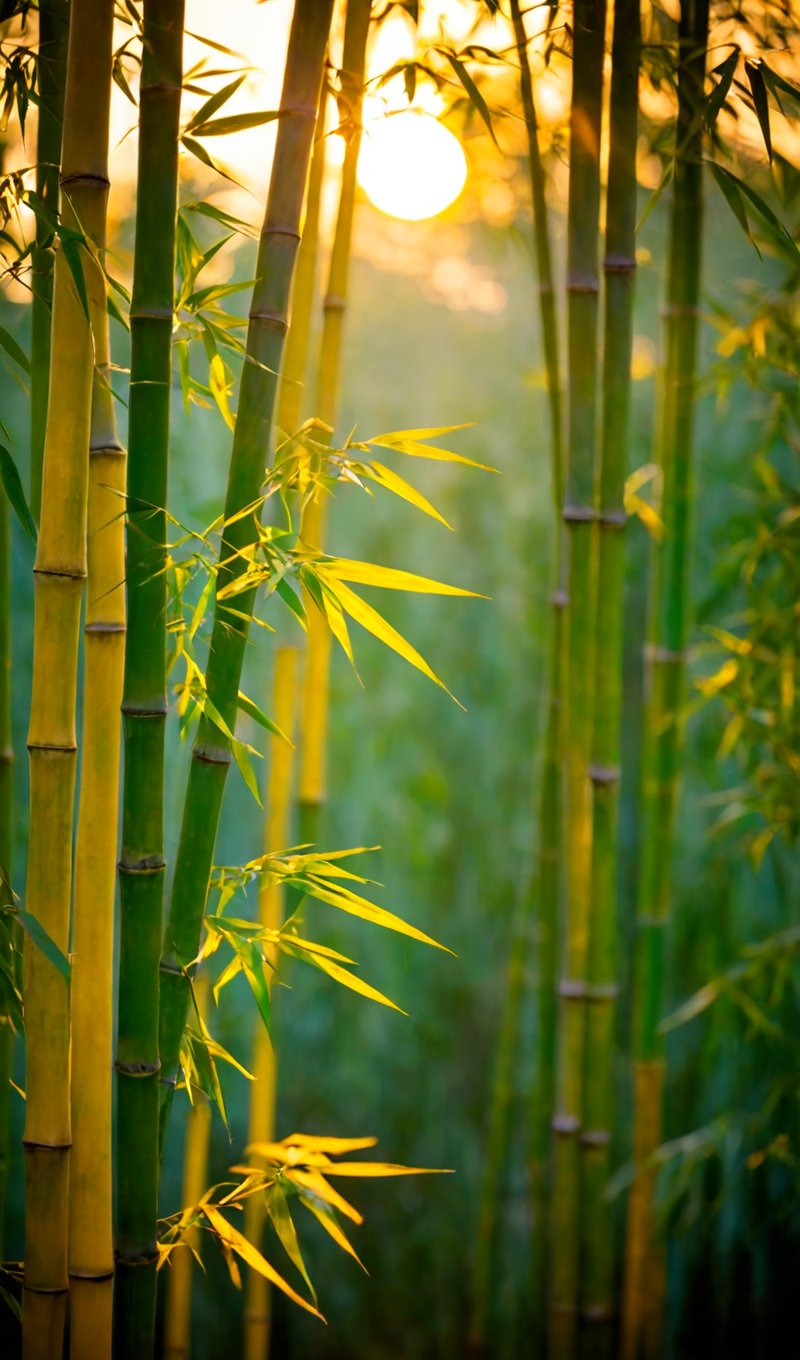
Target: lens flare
[410, 165]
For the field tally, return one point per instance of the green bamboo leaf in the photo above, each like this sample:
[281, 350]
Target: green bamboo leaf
[253, 969]
[13, 489]
[278, 1210]
[218, 47]
[253, 711]
[293, 601]
[725, 73]
[730, 190]
[199, 152]
[240, 754]
[654, 198]
[11, 347]
[11, 1303]
[472, 90]
[71, 247]
[37, 933]
[214, 102]
[760, 101]
[237, 122]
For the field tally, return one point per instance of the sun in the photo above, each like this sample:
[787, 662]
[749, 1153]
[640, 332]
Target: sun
[410, 165]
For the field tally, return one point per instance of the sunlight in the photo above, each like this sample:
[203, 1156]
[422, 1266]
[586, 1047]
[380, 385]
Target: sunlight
[411, 166]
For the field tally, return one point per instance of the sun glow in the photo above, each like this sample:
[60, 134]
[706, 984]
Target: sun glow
[410, 165]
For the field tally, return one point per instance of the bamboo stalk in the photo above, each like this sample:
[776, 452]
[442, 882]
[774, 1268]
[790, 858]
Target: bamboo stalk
[542, 896]
[53, 30]
[598, 1268]
[60, 572]
[579, 517]
[644, 1274]
[6, 838]
[314, 727]
[91, 1250]
[178, 1316]
[261, 1127]
[211, 755]
[144, 705]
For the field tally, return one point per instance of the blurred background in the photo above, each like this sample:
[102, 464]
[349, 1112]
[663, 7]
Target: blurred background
[442, 329]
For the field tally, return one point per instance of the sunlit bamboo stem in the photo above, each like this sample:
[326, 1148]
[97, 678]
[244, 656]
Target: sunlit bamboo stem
[211, 755]
[178, 1315]
[598, 1268]
[144, 700]
[579, 517]
[644, 1265]
[91, 1250]
[53, 30]
[6, 835]
[261, 1128]
[60, 572]
[314, 730]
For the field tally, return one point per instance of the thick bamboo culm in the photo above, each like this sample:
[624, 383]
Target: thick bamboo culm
[60, 573]
[541, 896]
[211, 754]
[644, 1265]
[91, 1248]
[144, 703]
[598, 1260]
[314, 729]
[6, 837]
[178, 1311]
[579, 518]
[53, 32]
[261, 1127]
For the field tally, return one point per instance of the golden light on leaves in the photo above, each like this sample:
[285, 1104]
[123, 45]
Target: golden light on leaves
[411, 166]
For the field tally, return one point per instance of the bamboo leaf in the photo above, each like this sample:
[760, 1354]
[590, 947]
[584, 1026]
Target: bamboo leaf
[725, 73]
[37, 933]
[404, 490]
[70, 245]
[240, 754]
[760, 101]
[218, 383]
[237, 122]
[336, 895]
[342, 976]
[278, 1210]
[16, 351]
[317, 1184]
[328, 1220]
[379, 1169]
[252, 1257]
[13, 489]
[253, 711]
[475, 96]
[334, 1146]
[216, 101]
[387, 578]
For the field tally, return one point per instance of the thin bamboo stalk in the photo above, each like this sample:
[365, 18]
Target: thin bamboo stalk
[178, 1318]
[211, 755]
[598, 1269]
[261, 1127]
[542, 897]
[644, 1267]
[60, 572]
[91, 1249]
[6, 837]
[579, 517]
[312, 783]
[144, 704]
[53, 30]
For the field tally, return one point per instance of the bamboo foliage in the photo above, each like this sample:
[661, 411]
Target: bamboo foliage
[644, 1267]
[598, 1266]
[60, 572]
[91, 1252]
[311, 792]
[144, 702]
[261, 1126]
[579, 515]
[211, 754]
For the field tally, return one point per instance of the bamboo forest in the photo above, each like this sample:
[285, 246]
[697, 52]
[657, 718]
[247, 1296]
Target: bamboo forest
[399, 679]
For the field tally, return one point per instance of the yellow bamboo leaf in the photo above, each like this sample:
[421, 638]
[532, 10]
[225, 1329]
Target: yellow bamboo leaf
[384, 1169]
[219, 389]
[400, 487]
[233, 1239]
[326, 1219]
[413, 449]
[387, 578]
[334, 1146]
[355, 984]
[336, 895]
[338, 624]
[317, 1184]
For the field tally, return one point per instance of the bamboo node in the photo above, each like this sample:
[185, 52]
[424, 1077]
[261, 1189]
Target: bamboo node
[679, 309]
[134, 711]
[602, 991]
[211, 759]
[572, 989]
[583, 283]
[92, 1276]
[613, 519]
[598, 1312]
[579, 514]
[48, 1147]
[619, 264]
[105, 628]
[271, 318]
[151, 314]
[604, 774]
[281, 229]
[334, 302]
[140, 1069]
[68, 573]
[81, 178]
[66, 748]
[559, 599]
[107, 450]
[565, 1124]
[149, 864]
[135, 1258]
[595, 1137]
[664, 655]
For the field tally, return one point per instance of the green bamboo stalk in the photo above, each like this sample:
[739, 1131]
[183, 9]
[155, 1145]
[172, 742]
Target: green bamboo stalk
[543, 894]
[53, 30]
[598, 1267]
[6, 837]
[60, 572]
[144, 704]
[91, 1251]
[314, 720]
[579, 517]
[211, 755]
[645, 1274]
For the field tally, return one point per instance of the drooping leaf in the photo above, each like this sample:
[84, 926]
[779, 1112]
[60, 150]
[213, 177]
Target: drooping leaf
[758, 89]
[236, 122]
[387, 578]
[13, 489]
[43, 941]
[253, 1258]
[278, 1210]
[16, 351]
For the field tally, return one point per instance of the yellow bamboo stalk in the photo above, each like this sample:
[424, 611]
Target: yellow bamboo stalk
[178, 1320]
[59, 575]
[91, 1251]
[261, 1129]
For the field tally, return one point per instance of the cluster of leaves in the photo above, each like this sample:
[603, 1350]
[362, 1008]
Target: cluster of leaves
[296, 1171]
[756, 674]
